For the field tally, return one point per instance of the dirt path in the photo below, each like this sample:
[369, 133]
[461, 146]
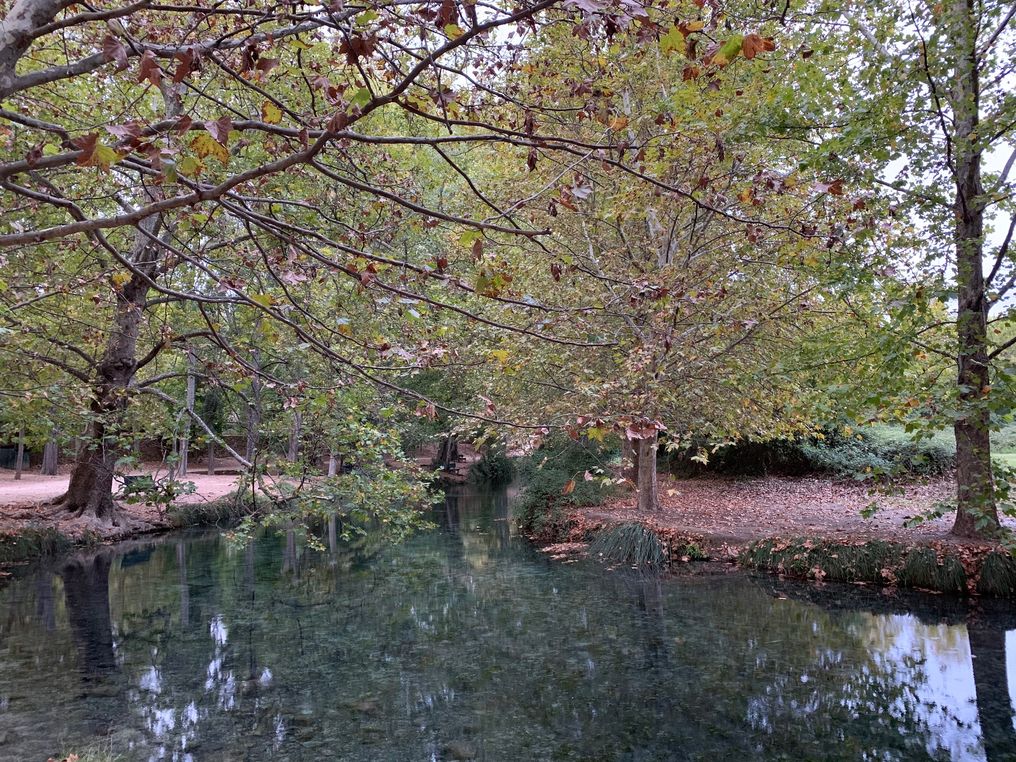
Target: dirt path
[738, 511]
[19, 500]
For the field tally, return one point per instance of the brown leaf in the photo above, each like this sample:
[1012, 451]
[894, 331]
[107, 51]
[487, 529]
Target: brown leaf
[149, 69]
[113, 50]
[220, 129]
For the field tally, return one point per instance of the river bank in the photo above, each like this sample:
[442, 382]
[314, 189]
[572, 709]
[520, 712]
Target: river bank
[28, 529]
[800, 527]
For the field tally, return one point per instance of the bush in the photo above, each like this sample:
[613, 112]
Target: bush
[495, 467]
[546, 499]
[877, 452]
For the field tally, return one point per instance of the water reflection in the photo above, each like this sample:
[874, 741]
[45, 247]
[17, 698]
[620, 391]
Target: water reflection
[466, 644]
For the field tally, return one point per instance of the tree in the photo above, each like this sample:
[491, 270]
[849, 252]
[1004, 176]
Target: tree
[916, 102]
[169, 206]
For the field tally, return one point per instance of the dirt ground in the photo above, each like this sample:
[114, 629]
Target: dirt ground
[737, 511]
[20, 501]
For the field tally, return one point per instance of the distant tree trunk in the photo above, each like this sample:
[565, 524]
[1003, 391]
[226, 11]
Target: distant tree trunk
[185, 439]
[50, 457]
[211, 458]
[295, 431]
[629, 461]
[649, 499]
[974, 482]
[332, 463]
[254, 413]
[19, 459]
[448, 453]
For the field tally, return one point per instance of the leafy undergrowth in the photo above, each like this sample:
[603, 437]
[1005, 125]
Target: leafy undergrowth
[560, 478]
[32, 542]
[974, 570]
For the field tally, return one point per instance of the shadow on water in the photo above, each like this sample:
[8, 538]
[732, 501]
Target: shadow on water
[466, 643]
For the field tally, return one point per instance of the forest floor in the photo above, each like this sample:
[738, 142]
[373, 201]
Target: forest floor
[20, 502]
[729, 513]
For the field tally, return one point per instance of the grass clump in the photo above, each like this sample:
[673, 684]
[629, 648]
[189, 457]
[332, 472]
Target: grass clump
[998, 575]
[875, 562]
[225, 511]
[631, 544]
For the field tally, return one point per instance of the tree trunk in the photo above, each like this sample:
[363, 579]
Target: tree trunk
[976, 514]
[19, 458]
[295, 432]
[50, 458]
[211, 458]
[332, 463]
[253, 413]
[185, 439]
[629, 461]
[649, 499]
[90, 492]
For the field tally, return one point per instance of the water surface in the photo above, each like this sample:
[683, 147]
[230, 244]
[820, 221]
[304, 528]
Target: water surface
[465, 643]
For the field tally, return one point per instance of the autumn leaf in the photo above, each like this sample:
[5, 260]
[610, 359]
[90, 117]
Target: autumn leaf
[220, 129]
[728, 51]
[205, 145]
[569, 487]
[270, 113]
[149, 69]
[113, 50]
[95, 153]
[754, 44]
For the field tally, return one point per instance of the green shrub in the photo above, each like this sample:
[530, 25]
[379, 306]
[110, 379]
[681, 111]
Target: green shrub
[877, 451]
[545, 499]
[494, 467]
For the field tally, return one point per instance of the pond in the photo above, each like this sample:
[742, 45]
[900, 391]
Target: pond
[467, 643]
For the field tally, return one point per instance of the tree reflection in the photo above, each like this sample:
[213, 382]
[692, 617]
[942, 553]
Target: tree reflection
[86, 596]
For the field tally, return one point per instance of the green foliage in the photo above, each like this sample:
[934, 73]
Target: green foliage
[877, 452]
[555, 481]
[631, 544]
[494, 467]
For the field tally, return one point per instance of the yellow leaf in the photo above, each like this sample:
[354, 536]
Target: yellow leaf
[271, 113]
[204, 145]
[453, 31]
